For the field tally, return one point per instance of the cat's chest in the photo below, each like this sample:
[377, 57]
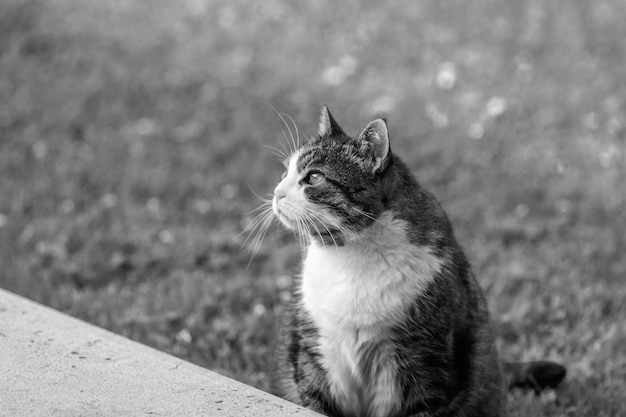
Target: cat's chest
[364, 284]
[355, 294]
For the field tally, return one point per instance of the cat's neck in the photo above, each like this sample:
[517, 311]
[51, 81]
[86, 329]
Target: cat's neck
[347, 283]
[386, 232]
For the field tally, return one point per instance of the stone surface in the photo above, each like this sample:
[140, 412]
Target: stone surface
[52, 364]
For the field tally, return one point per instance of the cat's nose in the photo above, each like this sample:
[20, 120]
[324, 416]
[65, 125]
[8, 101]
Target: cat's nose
[279, 193]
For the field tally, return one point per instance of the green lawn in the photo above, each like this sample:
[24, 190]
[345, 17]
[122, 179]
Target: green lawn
[134, 134]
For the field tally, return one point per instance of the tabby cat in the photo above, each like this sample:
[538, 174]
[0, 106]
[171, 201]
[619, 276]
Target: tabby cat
[387, 318]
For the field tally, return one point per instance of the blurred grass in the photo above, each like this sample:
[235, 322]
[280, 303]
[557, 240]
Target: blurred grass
[132, 142]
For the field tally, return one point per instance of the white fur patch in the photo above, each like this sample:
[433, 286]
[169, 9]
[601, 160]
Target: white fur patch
[354, 294]
[286, 189]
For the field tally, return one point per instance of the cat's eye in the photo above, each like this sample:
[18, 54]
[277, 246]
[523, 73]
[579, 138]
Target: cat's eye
[315, 178]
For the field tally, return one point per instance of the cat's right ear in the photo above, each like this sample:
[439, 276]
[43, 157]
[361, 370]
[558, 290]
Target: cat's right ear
[328, 126]
[375, 144]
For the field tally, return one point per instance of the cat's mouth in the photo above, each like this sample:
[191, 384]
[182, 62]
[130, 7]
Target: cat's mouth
[283, 217]
[311, 224]
[293, 222]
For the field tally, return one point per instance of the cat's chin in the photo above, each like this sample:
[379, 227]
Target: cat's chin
[286, 221]
[291, 224]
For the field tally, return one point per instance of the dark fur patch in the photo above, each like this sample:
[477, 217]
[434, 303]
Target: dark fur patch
[351, 193]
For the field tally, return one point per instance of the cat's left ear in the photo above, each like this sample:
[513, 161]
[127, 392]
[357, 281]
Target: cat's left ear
[328, 125]
[376, 136]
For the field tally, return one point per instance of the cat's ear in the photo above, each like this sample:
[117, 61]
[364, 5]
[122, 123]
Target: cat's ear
[328, 126]
[376, 137]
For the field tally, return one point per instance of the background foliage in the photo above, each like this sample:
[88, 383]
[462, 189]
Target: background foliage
[132, 142]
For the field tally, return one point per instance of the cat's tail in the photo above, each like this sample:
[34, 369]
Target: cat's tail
[537, 375]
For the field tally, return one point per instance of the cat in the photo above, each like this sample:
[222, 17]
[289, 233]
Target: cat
[387, 318]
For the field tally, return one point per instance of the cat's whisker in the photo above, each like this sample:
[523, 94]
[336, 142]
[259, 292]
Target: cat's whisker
[301, 235]
[261, 208]
[370, 216]
[287, 150]
[320, 215]
[254, 243]
[323, 219]
[295, 144]
[264, 209]
[263, 228]
[260, 220]
[257, 231]
[257, 214]
[281, 154]
[282, 129]
[310, 219]
[264, 200]
[295, 127]
[290, 145]
[290, 139]
[252, 226]
[257, 246]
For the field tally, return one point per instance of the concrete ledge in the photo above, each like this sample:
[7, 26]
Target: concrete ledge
[52, 364]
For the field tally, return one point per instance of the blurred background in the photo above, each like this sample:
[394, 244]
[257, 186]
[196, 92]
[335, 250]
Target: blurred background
[134, 134]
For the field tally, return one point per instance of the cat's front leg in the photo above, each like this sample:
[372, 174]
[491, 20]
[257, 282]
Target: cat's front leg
[313, 388]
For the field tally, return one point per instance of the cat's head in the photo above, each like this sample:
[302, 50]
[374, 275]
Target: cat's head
[333, 188]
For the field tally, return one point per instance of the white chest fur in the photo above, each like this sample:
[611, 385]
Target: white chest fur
[354, 294]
